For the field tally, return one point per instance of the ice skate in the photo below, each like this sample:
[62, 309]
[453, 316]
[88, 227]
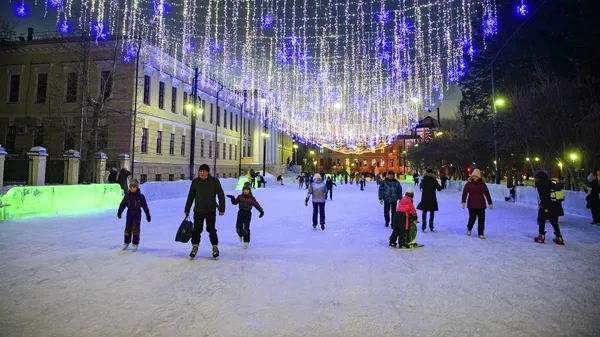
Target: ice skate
[315, 226]
[241, 239]
[215, 251]
[124, 247]
[393, 244]
[482, 237]
[323, 226]
[134, 248]
[468, 232]
[540, 238]
[194, 251]
[559, 240]
[246, 245]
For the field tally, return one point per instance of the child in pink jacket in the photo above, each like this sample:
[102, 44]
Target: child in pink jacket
[405, 213]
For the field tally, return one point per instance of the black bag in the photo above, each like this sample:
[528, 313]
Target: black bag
[184, 233]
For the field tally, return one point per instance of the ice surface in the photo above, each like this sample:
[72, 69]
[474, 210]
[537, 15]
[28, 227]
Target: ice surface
[67, 276]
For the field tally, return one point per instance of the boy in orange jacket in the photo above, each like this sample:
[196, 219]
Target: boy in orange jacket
[405, 214]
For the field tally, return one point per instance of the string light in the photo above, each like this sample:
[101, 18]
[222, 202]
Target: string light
[338, 73]
[21, 10]
[522, 9]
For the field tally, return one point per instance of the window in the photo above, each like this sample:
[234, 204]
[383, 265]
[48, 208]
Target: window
[42, 88]
[211, 113]
[147, 90]
[391, 162]
[229, 151]
[182, 177]
[204, 110]
[244, 151]
[143, 178]
[15, 83]
[236, 122]
[69, 138]
[72, 79]
[183, 145]
[202, 148]
[249, 151]
[210, 149]
[224, 151]
[158, 177]
[347, 161]
[243, 125]
[158, 142]
[172, 145]
[225, 119]
[218, 116]
[185, 100]
[173, 100]
[38, 136]
[106, 83]
[217, 151]
[11, 133]
[235, 153]
[161, 95]
[171, 177]
[144, 140]
[231, 120]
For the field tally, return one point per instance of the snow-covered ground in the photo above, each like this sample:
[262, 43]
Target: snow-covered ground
[68, 277]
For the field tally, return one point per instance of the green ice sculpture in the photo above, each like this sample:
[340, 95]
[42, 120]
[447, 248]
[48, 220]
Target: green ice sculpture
[241, 182]
[30, 201]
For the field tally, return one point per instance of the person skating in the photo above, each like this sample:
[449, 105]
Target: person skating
[319, 195]
[593, 198]
[416, 178]
[112, 177]
[390, 191]
[122, 179]
[245, 201]
[134, 201]
[405, 216]
[429, 186]
[363, 182]
[203, 191]
[329, 184]
[300, 179]
[474, 196]
[548, 209]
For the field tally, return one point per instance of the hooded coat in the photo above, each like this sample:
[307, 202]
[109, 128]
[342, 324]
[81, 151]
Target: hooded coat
[544, 187]
[406, 206]
[318, 190]
[390, 190]
[477, 192]
[134, 202]
[429, 185]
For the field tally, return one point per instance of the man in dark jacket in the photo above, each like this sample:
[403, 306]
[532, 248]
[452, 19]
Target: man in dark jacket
[203, 191]
[390, 191]
[112, 177]
[429, 186]
[548, 209]
[122, 179]
[329, 185]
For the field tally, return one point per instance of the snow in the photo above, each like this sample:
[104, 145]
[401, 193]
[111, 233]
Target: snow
[66, 276]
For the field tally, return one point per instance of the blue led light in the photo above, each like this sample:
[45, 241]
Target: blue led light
[54, 3]
[160, 8]
[490, 26]
[188, 47]
[98, 29]
[522, 9]
[381, 41]
[404, 28]
[267, 21]
[21, 10]
[383, 16]
[64, 27]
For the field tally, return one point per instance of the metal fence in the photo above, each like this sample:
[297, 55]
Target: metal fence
[17, 169]
[55, 170]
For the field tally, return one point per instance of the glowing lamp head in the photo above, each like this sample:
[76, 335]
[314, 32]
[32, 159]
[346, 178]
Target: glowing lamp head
[500, 102]
[573, 156]
[189, 106]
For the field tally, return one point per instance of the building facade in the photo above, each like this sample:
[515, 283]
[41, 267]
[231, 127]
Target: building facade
[44, 82]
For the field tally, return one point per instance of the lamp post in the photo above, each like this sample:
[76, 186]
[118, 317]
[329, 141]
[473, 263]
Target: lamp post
[265, 136]
[295, 146]
[192, 108]
[135, 102]
[312, 157]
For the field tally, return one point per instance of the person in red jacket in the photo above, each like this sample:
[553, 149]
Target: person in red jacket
[405, 213]
[474, 196]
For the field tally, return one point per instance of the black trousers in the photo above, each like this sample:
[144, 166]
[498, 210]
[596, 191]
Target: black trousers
[389, 208]
[242, 225]
[595, 214]
[479, 214]
[330, 190]
[132, 230]
[318, 209]
[431, 217]
[300, 184]
[211, 219]
[543, 217]
[399, 229]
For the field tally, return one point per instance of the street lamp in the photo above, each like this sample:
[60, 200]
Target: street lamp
[573, 157]
[295, 146]
[537, 159]
[497, 103]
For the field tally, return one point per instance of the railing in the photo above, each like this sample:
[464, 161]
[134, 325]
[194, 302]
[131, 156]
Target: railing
[17, 169]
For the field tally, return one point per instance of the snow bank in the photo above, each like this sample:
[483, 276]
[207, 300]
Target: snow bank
[30, 201]
[158, 190]
[574, 201]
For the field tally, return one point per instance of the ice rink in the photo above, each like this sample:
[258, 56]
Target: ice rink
[67, 276]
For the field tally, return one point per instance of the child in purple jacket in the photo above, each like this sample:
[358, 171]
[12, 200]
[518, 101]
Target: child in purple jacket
[134, 200]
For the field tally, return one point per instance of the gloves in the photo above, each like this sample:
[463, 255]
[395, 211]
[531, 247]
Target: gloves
[262, 213]
[491, 207]
[306, 202]
[381, 202]
[230, 196]
[464, 205]
[187, 214]
[119, 215]
[148, 217]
